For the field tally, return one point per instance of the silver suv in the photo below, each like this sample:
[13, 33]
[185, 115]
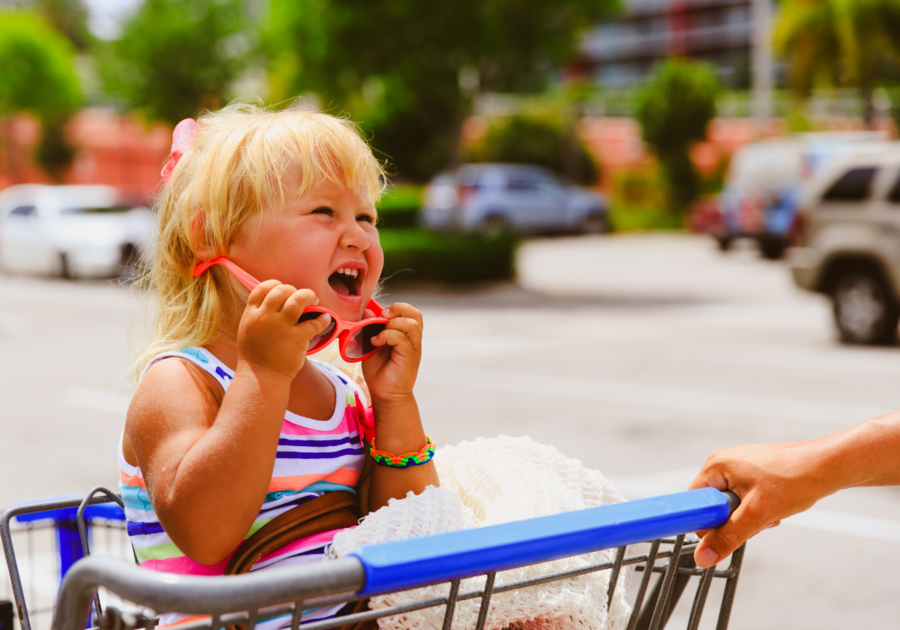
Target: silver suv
[848, 237]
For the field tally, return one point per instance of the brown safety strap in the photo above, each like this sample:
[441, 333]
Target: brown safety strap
[332, 510]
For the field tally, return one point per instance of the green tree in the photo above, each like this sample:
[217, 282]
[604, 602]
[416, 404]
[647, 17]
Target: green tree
[839, 43]
[177, 57]
[38, 77]
[674, 109]
[69, 17]
[408, 69]
[544, 140]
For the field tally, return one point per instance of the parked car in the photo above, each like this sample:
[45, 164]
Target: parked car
[848, 234]
[766, 181]
[71, 231]
[493, 197]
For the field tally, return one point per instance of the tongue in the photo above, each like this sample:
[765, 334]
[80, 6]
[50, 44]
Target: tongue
[339, 284]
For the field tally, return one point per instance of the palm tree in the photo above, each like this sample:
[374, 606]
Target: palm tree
[838, 42]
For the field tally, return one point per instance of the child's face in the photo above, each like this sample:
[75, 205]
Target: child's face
[307, 241]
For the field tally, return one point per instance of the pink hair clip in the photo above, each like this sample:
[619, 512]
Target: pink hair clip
[182, 139]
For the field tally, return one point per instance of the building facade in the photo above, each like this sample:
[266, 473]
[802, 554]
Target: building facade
[623, 51]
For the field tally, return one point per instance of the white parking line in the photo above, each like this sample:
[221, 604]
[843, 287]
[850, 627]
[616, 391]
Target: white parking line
[835, 359]
[858, 525]
[644, 395]
[758, 316]
[96, 399]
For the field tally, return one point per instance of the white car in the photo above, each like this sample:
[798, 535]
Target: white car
[72, 231]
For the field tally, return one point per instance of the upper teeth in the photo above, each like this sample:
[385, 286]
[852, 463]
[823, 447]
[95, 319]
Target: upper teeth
[349, 272]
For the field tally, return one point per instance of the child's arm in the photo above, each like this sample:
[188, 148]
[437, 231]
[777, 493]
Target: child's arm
[391, 374]
[207, 466]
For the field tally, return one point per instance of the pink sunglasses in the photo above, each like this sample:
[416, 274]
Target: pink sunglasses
[355, 338]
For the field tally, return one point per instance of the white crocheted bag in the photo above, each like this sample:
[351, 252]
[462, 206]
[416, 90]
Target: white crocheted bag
[492, 481]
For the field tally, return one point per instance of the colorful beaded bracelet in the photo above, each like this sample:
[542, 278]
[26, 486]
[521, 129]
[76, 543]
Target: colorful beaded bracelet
[407, 459]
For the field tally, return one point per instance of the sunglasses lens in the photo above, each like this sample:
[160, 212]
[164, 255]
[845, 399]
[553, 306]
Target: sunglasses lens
[360, 344]
[319, 341]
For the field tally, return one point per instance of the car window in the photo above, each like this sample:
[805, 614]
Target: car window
[549, 180]
[854, 185]
[894, 194]
[22, 211]
[522, 184]
[96, 210]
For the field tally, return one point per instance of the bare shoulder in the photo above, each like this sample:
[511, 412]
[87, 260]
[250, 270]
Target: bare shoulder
[175, 401]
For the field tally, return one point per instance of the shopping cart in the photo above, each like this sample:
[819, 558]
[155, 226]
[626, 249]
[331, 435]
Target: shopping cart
[652, 535]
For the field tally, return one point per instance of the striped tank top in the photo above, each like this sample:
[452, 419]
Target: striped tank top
[314, 457]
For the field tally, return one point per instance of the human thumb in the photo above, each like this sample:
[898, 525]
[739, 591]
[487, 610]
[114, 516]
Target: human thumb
[718, 544]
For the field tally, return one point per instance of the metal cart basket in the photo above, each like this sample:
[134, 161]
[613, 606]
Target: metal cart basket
[652, 535]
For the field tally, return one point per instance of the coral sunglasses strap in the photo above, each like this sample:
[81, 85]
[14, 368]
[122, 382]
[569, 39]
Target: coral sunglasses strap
[243, 277]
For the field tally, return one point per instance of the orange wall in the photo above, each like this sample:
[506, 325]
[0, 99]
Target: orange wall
[111, 149]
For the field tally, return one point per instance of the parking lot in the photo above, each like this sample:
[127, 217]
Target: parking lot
[637, 355]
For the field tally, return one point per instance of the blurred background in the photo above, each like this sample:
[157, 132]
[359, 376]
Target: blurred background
[639, 230]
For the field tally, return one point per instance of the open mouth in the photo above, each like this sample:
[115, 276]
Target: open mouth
[346, 281]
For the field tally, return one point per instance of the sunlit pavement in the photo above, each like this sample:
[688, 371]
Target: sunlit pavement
[636, 354]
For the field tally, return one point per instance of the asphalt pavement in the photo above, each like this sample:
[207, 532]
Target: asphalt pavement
[637, 355]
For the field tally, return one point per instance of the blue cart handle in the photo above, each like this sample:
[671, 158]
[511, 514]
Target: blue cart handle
[403, 564]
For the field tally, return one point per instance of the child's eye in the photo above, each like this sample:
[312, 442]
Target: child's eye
[368, 218]
[324, 210]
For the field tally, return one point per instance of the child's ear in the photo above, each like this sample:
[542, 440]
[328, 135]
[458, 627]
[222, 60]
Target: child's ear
[201, 238]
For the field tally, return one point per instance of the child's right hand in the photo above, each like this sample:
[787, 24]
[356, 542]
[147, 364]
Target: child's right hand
[269, 334]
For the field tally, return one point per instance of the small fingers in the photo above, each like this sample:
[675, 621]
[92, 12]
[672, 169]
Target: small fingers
[409, 327]
[261, 291]
[295, 304]
[275, 299]
[402, 309]
[314, 327]
[394, 338]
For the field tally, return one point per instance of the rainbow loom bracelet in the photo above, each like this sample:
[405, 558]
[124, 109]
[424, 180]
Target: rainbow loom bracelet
[407, 459]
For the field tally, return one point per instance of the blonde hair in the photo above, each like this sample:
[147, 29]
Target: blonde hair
[239, 163]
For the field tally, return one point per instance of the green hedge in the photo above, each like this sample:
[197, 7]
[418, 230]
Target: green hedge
[399, 207]
[414, 255]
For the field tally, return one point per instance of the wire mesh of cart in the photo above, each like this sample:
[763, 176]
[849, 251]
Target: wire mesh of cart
[653, 536]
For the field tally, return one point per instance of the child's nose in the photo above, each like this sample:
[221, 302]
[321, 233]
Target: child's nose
[355, 237]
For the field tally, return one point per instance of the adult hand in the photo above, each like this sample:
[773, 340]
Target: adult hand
[773, 482]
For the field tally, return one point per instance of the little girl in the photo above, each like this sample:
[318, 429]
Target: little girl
[237, 426]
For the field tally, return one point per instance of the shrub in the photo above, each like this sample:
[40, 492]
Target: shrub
[674, 108]
[39, 77]
[543, 140]
[399, 207]
[419, 255]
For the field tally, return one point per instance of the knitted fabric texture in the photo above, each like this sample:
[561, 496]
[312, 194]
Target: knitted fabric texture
[492, 481]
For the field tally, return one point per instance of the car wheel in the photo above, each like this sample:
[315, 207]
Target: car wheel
[494, 225]
[772, 248]
[62, 267]
[129, 264]
[594, 223]
[864, 309]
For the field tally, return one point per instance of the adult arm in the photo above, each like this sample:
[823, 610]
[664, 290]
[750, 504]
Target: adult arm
[775, 481]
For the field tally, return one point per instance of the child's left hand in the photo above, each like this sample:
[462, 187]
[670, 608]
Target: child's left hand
[391, 372]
